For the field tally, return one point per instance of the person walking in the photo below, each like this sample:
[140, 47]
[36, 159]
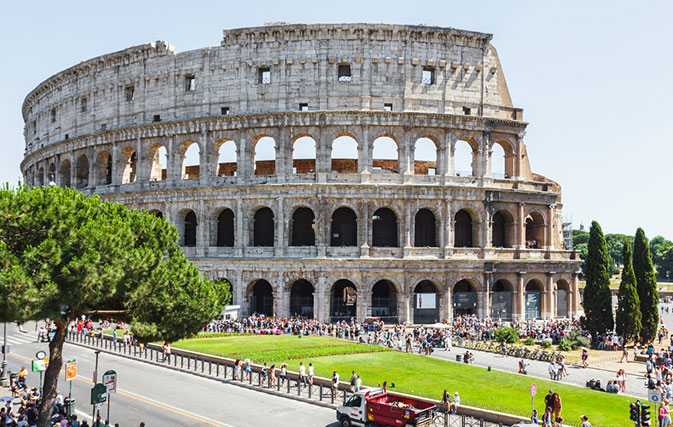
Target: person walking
[585, 358]
[237, 369]
[310, 373]
[552, 370]
[354, 380]
[522, 367]
[665, 413]
[335, 382]
[167, 352]
[302, 373]
[585, 421]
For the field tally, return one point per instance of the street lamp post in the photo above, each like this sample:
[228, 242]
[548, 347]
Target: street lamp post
[4, 379]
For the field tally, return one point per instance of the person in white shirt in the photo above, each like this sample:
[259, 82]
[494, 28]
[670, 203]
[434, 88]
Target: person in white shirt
[302, 373]
[310, 373]
[552, 370]
[585, 421]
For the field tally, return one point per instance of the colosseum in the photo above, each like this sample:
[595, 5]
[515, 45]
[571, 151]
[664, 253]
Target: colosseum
[315, 167]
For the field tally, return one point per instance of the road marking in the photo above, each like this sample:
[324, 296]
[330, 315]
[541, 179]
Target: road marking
[147, 401]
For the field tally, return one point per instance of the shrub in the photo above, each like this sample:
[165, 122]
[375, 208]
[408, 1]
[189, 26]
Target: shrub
[508, 334]
[565, 344]
[545, 344]
[529, 341]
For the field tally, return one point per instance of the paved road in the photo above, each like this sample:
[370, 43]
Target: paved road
[162, 397]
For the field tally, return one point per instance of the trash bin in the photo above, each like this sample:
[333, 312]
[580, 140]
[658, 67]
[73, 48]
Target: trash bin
[459, 357]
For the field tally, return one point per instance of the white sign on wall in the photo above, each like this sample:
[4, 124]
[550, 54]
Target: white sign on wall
[428, 301]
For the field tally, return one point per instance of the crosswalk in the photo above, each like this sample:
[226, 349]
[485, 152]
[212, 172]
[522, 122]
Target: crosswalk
[18, 338]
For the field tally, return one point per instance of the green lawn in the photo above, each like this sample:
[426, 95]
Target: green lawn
[418, 375]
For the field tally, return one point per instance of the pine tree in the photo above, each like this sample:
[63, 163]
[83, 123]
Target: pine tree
[628, 308]
[646, 284]
[597, 296]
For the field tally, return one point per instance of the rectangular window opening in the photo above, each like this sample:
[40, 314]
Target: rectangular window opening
[303, 106]
[34, 127]
[344, 72]
[387, 107]
[103, 126]
[130, 93]
[467, 111]
[67, 136]
[156, 118]
[224, 111]
[190, 83]
[83, 103]
[53, 115]
[428, 77]
[264, 75]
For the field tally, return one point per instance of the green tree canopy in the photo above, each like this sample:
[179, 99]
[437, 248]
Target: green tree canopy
[662, 257]
[646, 284]
[64, 254]
[628, 308]
[597, 295]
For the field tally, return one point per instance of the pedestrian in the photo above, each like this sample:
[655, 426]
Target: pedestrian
[534, 419]
[335, 382]
[456, 402]
[272, 376]
[625, 353]
[265, 372]
[547, 418]
[549, 400]
[354, 380]
[665, 413]
[585, 421]
[283, 373]
[248, 370]
[522, 367]
[503, 348]
[358, 384]
[310, 373]
[237, 369]
[167, 352]
[446, 401]
[552, 370]
[302, 373]
[585, 358]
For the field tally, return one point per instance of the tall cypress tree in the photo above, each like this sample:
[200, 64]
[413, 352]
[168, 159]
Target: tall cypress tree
[628, 308]
[597, 296]
[646, 283]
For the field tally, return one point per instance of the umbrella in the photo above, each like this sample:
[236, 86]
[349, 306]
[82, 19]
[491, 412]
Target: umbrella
[584, 348]
[6, 399]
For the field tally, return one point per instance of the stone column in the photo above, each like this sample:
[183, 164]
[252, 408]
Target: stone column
[203, 231]
[487, 151]
[364, 157]
[242, 168]
[517, 157]
[406, 157]
[549, 309]
[205, 157]
[575, 291]
[114, 170]
[520, 298]
[549, 235]
[279, 240]
[364, 221]
[521, 230]
[409, 307]
[407, 223]
[448, 301]
[487, 293]
[240, 241]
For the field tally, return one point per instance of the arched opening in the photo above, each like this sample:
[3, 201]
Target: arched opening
[384, 301]
[263, 228]
[503, 230]
[261, 298]
[498, 169]
[303, 228]
[463, 232]
[129, 164]
[344, 230]
[156, 212]
[384, 228]
[425, 229]
[562, 298]
[159, 157]
[301, 299]
[227, 159]
[502, 297]
[343, 301]
[534, 290]
[82, 172]
[191, 160]
[463, 159]
[426, 303]
[40, 176]
[189, 236]
[534, 231]
[265, 156]
[103, 168]
[464, 298]
[425, 157]
[344, 155]
[384, 155]
[64, 174]
[51, 175]
[303, 155]
[225, 228]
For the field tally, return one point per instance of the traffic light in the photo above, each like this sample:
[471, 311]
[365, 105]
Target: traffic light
[635, 411]
[644, 415]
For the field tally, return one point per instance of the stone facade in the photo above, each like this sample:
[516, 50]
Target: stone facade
[327, 235]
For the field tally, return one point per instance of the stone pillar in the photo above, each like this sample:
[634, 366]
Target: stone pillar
[364, 157]
[283, 156]
[205, 157]
[521, 229]
[406, 157]
[279, 239]
[242, 168]
[549, 235]
[203, 226]
[237, 290]
[575, 292]
[114, 170]
[488, 276]
[407, 223]
[520, 308]
[325, 308]
[409, 307]
[240, 221]
[364, 230]
[487, 151]
[448, 301]
[550, 308]
[518, 156]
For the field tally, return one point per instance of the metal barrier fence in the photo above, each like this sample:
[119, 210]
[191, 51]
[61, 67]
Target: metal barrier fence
[224, 369]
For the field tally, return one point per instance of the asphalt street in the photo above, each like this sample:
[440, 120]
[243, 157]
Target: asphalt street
[162, 397]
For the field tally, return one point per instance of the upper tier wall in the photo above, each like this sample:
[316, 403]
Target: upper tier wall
[152, 82]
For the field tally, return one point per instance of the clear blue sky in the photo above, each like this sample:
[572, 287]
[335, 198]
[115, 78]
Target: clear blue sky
[593, 78]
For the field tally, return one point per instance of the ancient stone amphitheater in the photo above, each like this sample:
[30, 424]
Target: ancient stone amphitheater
[314, 167]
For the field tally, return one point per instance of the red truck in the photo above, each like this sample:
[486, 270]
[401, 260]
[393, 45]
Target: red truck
[378, 407]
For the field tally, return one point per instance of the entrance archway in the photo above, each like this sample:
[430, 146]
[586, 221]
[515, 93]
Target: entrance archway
[426, 303]
[263, 228]
[424, 229]
[562, 298]
[501, 302]
[503, 230]
[343, 302]
[301, 299]
[344, 228]
[463, 230]
[534, 299]
[261, 298]
[303, 228]
[464, 298]
[384, 229]
[384, 301]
